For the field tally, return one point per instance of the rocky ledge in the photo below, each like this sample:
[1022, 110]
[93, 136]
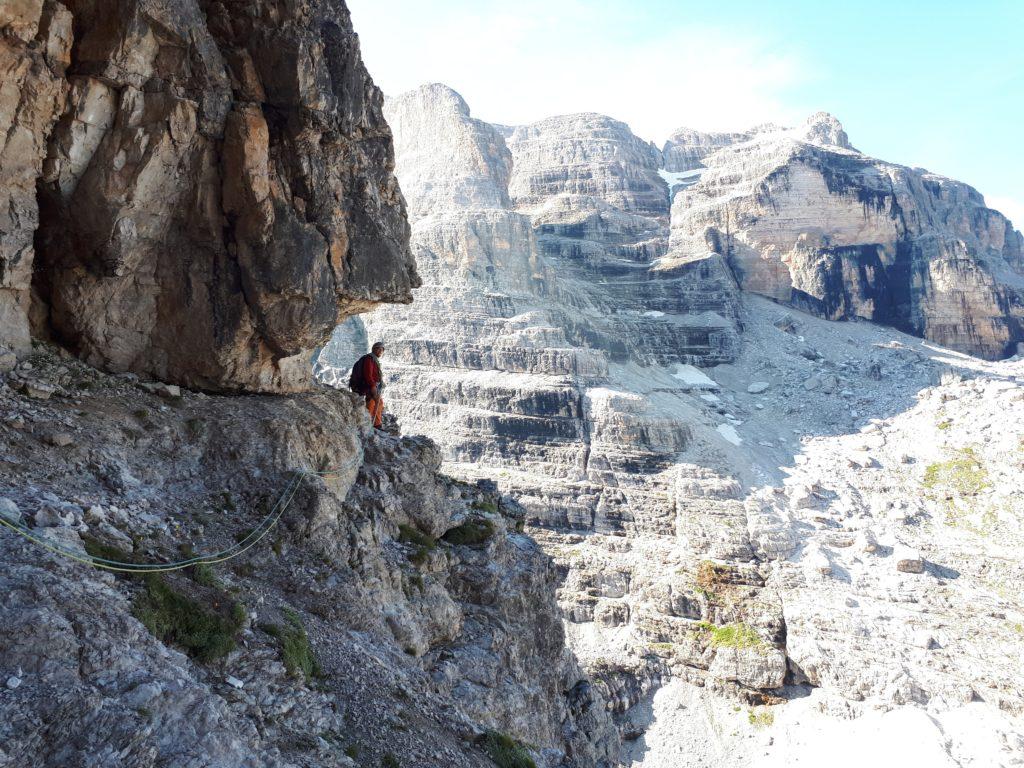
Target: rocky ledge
[393, 611]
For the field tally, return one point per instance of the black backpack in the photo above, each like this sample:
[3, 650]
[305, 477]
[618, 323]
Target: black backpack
[356, 382]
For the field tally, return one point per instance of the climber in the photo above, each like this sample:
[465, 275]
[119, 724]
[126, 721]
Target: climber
[367, 380]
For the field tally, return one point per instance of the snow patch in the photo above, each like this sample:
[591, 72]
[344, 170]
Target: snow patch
[680, 178]
[728, 431]
[694, 377]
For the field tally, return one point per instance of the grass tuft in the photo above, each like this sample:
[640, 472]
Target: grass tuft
[506, 752]
[473, 531]
[175, 618]
[964, 474]
[296, 652]
[763, 719]
[98, 549]
[203, 573]
[737, 635]
[389, 761]
[422, 544]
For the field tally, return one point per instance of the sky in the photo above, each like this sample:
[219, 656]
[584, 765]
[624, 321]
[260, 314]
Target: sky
[939, 84]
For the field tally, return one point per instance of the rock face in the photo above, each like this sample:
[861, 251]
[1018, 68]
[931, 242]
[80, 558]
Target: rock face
[35, 48]
[599, 206]
[216, 193]
[588, 155]
[466, 166]
[431, 617]
[803, 218]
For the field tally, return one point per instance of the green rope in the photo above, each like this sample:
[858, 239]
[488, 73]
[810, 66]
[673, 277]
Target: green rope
[236, 549]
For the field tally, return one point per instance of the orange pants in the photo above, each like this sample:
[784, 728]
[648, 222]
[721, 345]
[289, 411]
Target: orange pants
[375, 405]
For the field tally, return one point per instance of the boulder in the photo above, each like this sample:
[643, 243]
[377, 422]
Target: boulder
[8, 360]
[9, 510]
[866, 541]
[908, 560]
[761, 667]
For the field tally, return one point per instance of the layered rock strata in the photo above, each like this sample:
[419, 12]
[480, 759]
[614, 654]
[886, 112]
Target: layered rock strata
[687, 558]
[803, 218]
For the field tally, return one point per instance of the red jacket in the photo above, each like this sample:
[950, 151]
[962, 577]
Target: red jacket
[371, 374]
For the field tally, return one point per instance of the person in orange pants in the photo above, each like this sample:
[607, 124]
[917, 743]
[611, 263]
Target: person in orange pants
[375, 405]
[368, 380]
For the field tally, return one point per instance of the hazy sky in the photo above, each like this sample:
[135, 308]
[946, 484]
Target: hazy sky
[934, 84]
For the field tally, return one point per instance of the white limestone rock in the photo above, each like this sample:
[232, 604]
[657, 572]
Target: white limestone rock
[805, 219]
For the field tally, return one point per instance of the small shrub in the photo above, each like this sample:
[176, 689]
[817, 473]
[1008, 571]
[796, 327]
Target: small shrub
[415, 580]
[762, 719]
[389, 761]
[485, 506]
[737, 635]
[175, 618]
[352, 751]
[474, 531]
[944, 424]
[422, 544]
[710, 576]
[227, 502]
[296, 652]
[506, 752]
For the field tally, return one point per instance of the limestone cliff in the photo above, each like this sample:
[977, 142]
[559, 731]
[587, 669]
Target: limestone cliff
[214, 186]
[803, 218]
[748, 528]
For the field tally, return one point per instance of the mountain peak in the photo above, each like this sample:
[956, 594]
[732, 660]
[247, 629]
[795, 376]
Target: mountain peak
[438, 95]
[823, 128]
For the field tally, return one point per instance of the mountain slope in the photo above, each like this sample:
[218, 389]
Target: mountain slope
[735, 496]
